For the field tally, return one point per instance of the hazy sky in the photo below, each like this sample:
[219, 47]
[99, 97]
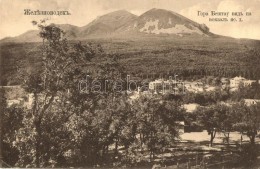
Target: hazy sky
[13, 22]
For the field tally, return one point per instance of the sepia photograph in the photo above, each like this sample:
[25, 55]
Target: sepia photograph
[148, 84]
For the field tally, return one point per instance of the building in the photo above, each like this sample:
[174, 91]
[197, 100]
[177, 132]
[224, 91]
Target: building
[191, 107]
[236, 81]
[250, 102]
[165, 86]
[13, 102]
[194, 87]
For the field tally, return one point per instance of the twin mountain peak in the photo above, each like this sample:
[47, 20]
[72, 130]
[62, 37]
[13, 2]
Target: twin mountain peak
[155, 22]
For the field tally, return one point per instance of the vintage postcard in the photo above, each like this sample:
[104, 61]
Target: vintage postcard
[130, 84]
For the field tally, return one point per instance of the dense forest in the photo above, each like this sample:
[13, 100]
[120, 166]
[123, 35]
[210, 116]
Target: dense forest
[154, 57]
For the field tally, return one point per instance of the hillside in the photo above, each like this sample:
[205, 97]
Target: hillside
[33, 35]
[153, 57]
[154, 44]
[106, 24]
[160, 21]
[125, 24]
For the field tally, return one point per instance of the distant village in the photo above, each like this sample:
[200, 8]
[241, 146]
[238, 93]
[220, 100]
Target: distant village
[162, 86]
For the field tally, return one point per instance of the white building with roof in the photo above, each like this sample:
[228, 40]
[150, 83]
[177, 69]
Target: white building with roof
[236, 81]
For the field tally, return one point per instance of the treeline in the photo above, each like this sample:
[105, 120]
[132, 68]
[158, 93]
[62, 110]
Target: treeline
[208, 57]
[189, 58]
[86, 130]
[114, 132]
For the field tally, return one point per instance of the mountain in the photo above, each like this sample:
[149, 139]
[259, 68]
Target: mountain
[124, 23]
[160, 21]
[107, 24]
[29, 36]
[71, 32]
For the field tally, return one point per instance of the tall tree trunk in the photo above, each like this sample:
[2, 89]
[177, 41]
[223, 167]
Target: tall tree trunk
[228, 138]
[116, 148]
[37, 154]
[2, 109]
[241, 139]
[37, 144]
[151, 149]
[141, 142]
[252, 139]
[103, 152]
[212, 136]
[151, 152]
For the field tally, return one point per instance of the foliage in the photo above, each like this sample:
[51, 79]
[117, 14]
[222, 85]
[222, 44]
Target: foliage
[214, 118]
[247, 92]
[206, 98]
[247, 119]
[43, 137]
[189, 58]
[12, 122]
[156, 124]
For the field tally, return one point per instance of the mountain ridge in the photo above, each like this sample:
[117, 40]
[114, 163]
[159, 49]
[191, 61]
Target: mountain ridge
[161, 21]
[124, 24]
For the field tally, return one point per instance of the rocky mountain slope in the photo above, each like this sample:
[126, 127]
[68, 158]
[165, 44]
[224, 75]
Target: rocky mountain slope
[159, 21]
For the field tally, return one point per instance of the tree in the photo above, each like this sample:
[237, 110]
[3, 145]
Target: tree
[59, 70]
[3, 106]
[247, 92]
[98, 116]
[226, 126]
[156, 123]
[12, 122]
[213, 118]
[247, 119]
